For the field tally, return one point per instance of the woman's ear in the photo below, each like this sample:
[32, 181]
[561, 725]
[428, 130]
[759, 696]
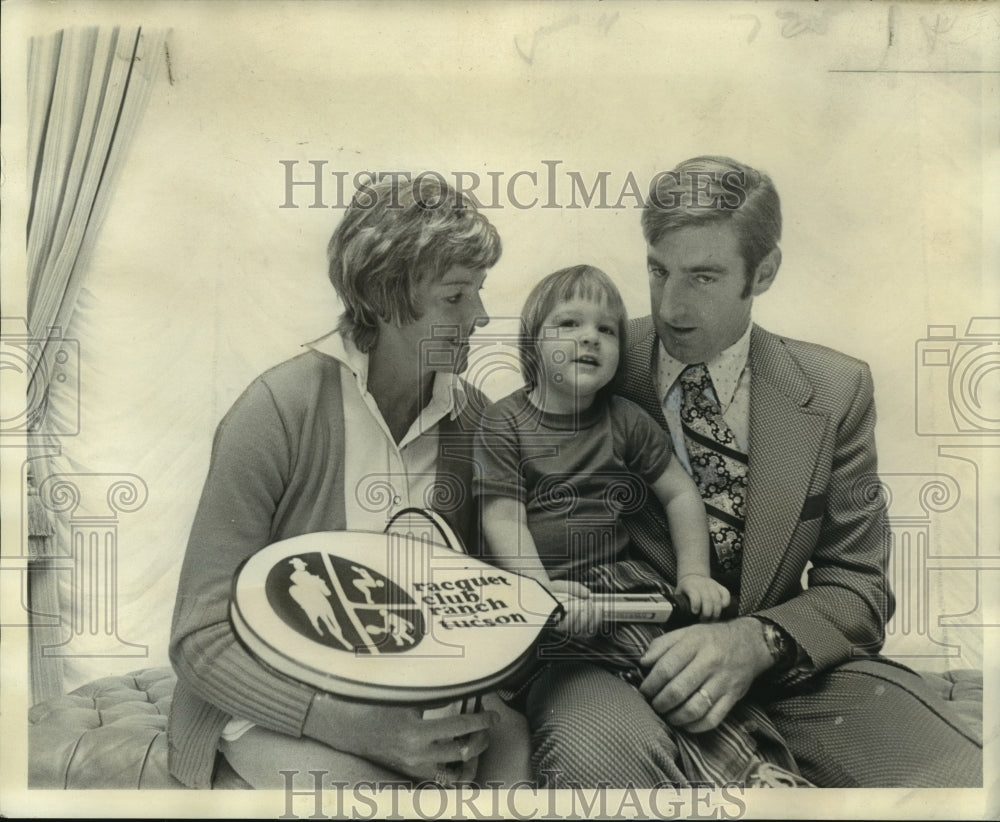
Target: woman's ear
[767, 270]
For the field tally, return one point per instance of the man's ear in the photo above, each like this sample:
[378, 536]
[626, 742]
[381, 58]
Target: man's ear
[766, 271]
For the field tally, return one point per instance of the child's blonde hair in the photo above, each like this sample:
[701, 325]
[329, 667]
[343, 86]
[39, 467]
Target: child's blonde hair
[583, 281]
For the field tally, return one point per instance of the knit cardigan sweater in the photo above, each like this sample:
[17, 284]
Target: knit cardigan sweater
[276, 472]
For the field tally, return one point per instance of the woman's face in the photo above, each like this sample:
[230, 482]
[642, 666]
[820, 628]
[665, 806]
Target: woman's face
[450, 311]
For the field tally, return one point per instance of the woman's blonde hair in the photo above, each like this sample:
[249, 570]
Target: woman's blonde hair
[395, 235]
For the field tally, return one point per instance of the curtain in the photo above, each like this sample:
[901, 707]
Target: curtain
[87, 90]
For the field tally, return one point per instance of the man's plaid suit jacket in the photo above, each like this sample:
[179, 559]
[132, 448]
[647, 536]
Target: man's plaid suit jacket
[813, 497]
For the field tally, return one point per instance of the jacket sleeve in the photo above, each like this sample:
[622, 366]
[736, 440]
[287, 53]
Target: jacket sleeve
[252, 457]
[844, 609]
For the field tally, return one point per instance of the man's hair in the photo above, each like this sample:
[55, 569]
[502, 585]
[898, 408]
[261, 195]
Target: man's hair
[583, 281]
[709, 189]
[394, 236]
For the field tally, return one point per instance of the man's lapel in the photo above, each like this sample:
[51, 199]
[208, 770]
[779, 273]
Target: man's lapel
[785, 437]
[640, 384]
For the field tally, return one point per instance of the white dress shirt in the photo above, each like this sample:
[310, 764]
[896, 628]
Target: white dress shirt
[730, 375]
[381, 476]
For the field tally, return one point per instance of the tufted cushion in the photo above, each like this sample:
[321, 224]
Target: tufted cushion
[109, 733]
[963, 690]
[112, 733]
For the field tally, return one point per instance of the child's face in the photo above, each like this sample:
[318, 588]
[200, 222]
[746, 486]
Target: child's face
[579, 347]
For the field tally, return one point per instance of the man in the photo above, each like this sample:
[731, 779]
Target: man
[779, 435]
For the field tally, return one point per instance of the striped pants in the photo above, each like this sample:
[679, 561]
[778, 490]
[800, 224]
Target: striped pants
[587, 679]
[867, 723]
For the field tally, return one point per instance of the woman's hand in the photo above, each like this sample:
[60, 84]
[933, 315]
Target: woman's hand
[707, 596]
[444, 749]
[582, 616]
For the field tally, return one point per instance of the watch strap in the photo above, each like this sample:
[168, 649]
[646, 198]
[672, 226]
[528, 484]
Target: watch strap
[783, 649]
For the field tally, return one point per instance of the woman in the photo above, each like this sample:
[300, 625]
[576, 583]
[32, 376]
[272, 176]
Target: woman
[308, 447]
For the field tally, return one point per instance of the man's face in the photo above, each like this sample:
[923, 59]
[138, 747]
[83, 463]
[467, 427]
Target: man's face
[697, 278]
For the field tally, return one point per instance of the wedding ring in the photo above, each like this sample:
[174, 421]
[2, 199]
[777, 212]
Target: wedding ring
[708, 699]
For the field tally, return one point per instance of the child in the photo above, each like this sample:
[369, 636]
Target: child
[565, 433]
[560, 459]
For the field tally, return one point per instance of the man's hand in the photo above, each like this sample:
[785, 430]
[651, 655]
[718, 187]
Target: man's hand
[696, 674]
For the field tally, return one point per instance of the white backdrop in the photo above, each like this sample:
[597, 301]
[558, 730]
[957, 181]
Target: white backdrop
[876, 122]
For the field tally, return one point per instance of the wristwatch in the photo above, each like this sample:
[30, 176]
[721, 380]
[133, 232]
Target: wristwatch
[783, 649]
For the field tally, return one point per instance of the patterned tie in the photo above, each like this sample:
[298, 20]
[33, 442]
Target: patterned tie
[719, 470]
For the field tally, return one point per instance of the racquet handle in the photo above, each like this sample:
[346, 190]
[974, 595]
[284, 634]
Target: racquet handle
[662, 609]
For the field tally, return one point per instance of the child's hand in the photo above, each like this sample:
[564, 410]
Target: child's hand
[582, 618]
[707, 596]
